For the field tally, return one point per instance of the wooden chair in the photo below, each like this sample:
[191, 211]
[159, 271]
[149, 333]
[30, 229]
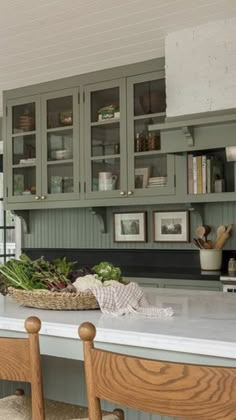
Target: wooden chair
[20, 361]
[174, 389]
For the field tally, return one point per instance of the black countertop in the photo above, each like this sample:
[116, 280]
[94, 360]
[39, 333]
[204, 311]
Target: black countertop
[171, 273]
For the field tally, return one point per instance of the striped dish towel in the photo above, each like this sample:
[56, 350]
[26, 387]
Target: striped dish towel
[124, 299]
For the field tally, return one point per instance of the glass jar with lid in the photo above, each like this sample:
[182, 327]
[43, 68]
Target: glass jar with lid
[232, 267]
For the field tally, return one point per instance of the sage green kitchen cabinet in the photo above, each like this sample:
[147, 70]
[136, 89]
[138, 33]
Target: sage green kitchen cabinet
[210, 135]
[214, 285]
[102, 139]
[61, 145]
[117, 166]
[105, 134]
[42, 145]
[150, 173]
[24, 153]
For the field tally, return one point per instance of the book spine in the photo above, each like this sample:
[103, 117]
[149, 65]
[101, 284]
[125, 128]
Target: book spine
[209, 182]
[199, 174]
[194, 174]
[204, 174]
[190, 174]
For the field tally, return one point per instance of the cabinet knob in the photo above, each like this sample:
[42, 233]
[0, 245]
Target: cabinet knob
[37, 197]
[122, 193]
[43, 197]
[130, 192]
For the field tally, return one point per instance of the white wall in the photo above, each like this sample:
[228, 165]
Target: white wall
[201, 68]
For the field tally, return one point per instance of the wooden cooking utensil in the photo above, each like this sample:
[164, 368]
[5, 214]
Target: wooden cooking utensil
[203, 231]
[197, 243]
[204, 244]
[223, 237]
[221, 229]
[207, 231]
[200, 232]
[210, 243]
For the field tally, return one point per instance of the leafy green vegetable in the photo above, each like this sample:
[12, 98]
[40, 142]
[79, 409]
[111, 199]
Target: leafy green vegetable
[63, 265]
[107, 271]
[18, 273]
[38, 274]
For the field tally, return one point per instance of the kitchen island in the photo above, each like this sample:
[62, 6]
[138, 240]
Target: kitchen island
[201, 331]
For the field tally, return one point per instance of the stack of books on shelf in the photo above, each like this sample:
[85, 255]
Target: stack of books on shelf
[205, 174]
[157, 181]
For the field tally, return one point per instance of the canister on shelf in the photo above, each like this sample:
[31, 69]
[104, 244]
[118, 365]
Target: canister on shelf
[232, 267]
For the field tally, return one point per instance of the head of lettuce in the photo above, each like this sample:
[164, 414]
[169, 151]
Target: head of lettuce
[107, 271]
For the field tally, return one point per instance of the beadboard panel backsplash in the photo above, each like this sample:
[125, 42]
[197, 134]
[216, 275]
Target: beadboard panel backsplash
[79, 228]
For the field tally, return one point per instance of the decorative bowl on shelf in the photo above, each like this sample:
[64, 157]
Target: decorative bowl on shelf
[61, 154]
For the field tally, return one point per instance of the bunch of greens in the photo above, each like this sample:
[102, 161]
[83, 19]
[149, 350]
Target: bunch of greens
[107, 271]
[19, 274]
[38, 274]
[63, 265]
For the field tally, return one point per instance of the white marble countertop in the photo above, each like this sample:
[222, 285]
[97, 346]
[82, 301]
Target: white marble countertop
[204, 323]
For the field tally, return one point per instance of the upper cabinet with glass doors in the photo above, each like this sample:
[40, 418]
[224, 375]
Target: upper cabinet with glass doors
[44, 138]
[60, 145]
[105, 139]
[24, 130]
[150, 172]
[123, 159]
[64, 151]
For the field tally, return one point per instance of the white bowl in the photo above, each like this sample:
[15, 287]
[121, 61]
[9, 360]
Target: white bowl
[61, 154]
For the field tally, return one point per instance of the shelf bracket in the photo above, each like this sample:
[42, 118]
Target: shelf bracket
[101, 213]
[188, 133]
[198, 208]
[24, 215]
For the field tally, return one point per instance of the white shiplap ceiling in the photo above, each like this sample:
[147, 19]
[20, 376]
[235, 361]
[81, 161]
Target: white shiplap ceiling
[42, 40]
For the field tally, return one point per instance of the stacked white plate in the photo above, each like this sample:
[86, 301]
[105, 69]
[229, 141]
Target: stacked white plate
[157, 181]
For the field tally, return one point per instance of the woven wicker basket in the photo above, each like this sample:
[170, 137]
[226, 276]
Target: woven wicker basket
[44, 299]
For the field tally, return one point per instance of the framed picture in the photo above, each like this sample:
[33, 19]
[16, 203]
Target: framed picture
[141, 176]
[171, 226]
[130, 227]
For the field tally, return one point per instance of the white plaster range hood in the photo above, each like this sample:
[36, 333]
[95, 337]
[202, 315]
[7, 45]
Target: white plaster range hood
[201, 68]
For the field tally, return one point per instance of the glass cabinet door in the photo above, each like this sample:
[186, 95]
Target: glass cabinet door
[150, 171]
[105, 117]
[60, 145]
[24, 131]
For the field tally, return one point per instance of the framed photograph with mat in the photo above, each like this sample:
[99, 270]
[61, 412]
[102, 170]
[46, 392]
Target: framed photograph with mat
[141, 176]
[171, 226]
[130, 227]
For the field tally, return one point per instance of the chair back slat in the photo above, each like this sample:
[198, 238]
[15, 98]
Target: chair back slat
[180, 390]
[14, 356]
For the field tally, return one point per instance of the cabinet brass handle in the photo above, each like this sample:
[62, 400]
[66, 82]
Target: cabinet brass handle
[43, 197]
[122, 193]
[37, 197]
[130, 192]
